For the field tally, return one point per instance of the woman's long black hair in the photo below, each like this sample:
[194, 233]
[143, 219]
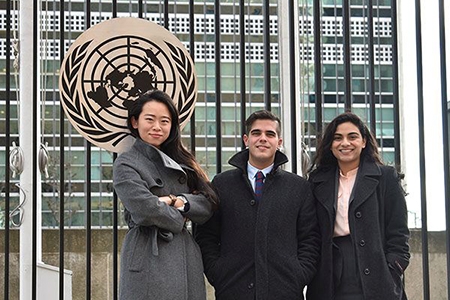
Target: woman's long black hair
[198, 181]
[324, 157]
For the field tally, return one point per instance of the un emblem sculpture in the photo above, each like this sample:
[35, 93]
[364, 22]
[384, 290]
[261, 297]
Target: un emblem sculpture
[110, 65]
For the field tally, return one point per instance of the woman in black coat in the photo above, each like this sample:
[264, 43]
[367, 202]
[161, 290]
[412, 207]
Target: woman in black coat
[362, 214]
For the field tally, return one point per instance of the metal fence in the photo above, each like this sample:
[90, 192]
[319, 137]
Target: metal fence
[305, 60]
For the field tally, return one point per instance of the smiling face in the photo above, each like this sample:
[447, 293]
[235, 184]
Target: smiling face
[347, 146]
[154, 123]
[262, 142]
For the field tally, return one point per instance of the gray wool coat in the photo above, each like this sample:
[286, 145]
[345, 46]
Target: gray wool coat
[378, 228]
[159, 258]
[264, 250]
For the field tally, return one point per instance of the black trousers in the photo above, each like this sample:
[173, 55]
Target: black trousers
[347, 281]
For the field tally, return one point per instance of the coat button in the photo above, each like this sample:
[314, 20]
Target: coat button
[362, 243]
[250, 285]
[182, 180]
[358, 214]
[158, 181]
[366, 271]
[252, 202]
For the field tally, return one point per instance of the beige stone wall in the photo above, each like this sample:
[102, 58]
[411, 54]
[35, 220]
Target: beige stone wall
[102, 263]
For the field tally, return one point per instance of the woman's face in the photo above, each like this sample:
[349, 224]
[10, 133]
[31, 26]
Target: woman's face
[347, 146]
[154, 123]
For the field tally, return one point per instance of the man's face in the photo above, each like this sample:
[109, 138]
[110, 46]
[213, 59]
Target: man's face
[262, 142]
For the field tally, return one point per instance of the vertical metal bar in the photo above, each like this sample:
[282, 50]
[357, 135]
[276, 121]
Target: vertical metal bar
[371, 52]
[88, 218]
[166, 14]
[35, 151]
[317, 67]
[88, 184]
[266, 46]
[114, 9]
[61, 162]
[445, 132]
[192, 52]
[346, 14]
[395, 91]
[115, 219]
[292, 79]
[7, 147]
[421, 142]
[140, 9]
[242, 60]
[115, 242]
[218, 89]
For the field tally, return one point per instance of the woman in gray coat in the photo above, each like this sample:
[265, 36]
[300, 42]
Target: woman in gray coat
[362, 216]
[161, 187]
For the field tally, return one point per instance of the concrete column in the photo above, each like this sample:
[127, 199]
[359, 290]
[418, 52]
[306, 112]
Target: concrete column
[432, 110]
[27, 141]
[285, 84]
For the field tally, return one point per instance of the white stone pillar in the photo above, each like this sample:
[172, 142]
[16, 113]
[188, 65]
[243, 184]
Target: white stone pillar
[27, 141]
[286, 85]
[435, 186]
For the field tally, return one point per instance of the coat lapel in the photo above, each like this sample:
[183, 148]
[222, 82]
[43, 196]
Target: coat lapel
[152, 153]
[325, 188]
[366, 183]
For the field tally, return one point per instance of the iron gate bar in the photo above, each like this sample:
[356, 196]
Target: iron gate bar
[242, 74]
[115, 218]
[166, 14]
[318, 67]
[346, 15]
[292, 93]
[7, 147]
[371, 51]
[425, 266]
[140, 9]
[266, 54]
[218, 95]
[114, 8]
[88, 156]
[35, 151]
[445, 131]
[115, 242]
[395, 88]
[192, 54]
[61, 163]
[88, 218]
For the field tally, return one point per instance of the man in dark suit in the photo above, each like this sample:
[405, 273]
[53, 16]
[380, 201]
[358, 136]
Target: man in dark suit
[260, 246]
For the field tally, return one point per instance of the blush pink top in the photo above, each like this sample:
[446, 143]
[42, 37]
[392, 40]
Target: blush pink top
[346, 183]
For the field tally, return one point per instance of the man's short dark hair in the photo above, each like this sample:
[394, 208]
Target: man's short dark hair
[262, 115]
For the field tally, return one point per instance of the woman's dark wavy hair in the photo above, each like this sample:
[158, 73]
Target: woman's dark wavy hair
[173, 147]
[324, 157]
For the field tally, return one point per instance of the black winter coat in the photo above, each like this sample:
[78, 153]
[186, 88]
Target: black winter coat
[266, 250]
[378, 228]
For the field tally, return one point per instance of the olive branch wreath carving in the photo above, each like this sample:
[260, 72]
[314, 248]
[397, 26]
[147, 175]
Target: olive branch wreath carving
[188, 93]
[89, 125]
[71, 99]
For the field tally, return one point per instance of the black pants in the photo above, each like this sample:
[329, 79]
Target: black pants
[347, 282]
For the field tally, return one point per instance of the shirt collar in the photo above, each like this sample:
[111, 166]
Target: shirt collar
[251, 170]
[350, 173]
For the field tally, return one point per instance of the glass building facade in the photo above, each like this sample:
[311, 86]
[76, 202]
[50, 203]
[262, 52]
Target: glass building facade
[259, 17]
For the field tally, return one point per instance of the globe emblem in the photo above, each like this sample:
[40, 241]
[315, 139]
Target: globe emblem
[119, 70]
[110, 65]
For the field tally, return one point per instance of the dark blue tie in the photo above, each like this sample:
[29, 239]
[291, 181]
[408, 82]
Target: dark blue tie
[259, 182]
